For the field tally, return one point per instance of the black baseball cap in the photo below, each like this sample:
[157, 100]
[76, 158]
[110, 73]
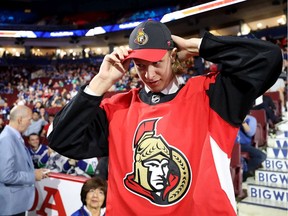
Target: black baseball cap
[150, 41]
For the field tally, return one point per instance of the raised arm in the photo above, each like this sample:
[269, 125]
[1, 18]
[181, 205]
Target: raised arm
[249, 68]
[80, 129]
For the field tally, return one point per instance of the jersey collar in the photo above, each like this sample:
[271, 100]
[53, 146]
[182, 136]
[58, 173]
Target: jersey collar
[172, 88]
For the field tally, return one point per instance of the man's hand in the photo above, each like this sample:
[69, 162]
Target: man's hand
[40, 174]
[111, 70]
[186, 47]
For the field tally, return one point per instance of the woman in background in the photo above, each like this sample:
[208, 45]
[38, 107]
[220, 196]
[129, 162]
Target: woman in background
[93, 197]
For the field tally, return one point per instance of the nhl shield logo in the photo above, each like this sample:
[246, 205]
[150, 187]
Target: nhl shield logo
[161, 172]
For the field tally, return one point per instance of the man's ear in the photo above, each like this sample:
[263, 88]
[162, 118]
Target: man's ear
[173, 54]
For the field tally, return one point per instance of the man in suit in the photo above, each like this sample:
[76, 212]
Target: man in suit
[17, 174]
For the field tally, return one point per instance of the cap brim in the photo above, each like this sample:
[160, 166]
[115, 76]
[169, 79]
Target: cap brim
[152, 55]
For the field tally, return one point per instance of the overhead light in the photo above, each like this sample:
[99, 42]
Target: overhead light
[245, 29]
[259, 25]
[281, 21]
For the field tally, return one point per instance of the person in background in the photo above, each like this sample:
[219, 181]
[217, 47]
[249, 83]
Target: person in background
[5, 111]
[279, 86]
[36, 125]
[270, 110]
[43, 113]
[17, 173]
[183, 132]
[37, 106]
[2, 101]
[44, 130]
[245, 138]
[36, 149]
[93, 197]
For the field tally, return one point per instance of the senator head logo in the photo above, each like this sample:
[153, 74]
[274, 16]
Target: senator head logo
[161, 173]
[141, 38]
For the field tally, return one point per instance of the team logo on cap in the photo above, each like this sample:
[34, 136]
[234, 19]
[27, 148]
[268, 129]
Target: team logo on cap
[141, 37]
[161, 173]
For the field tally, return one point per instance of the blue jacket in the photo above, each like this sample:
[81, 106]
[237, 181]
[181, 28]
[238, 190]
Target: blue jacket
[243, 137]
[17, 177]
[83, 212]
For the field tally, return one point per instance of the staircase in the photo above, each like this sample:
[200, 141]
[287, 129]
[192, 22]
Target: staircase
[267, 193]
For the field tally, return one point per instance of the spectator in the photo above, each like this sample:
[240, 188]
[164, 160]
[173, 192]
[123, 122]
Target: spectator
[245, 136]
[270, 110]
[43, 113]
[58, 101]
[2, 101]
[17, 173]
[187, 130]
[36, 149]
[5, 111]
[8, 89]
[36, 124]
[93, 197]
[44, 131]
[37, 106]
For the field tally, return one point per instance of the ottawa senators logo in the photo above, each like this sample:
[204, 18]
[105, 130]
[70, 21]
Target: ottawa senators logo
[141, 37]
[161, 173]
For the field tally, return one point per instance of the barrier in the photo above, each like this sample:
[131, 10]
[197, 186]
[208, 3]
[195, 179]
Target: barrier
[57, 195]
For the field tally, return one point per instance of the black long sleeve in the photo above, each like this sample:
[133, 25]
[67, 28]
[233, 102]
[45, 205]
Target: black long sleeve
[80, 129]
[249, 68]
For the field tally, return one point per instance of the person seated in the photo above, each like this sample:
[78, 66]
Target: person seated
[36, 149]
[245, 138]
[270, 110]
[5, 111]
[44, 130]
[36, 125]
[2, 101]
[93, 197]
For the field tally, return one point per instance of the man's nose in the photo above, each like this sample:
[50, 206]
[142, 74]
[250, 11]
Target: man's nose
[150, 73]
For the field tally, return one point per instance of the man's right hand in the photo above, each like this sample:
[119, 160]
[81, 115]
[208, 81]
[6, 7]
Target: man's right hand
[111, 70]
[40, 174]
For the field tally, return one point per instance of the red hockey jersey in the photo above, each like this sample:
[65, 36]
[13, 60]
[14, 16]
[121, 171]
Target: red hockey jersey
[195, 141]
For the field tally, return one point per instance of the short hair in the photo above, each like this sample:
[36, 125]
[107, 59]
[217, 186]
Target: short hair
[33, 134]
[93, 183]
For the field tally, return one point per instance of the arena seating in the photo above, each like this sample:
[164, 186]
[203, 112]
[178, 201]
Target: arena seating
[236, 169]
[260, 115]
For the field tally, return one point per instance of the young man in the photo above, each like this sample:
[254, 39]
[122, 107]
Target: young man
[184, 132]
[36, 149]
